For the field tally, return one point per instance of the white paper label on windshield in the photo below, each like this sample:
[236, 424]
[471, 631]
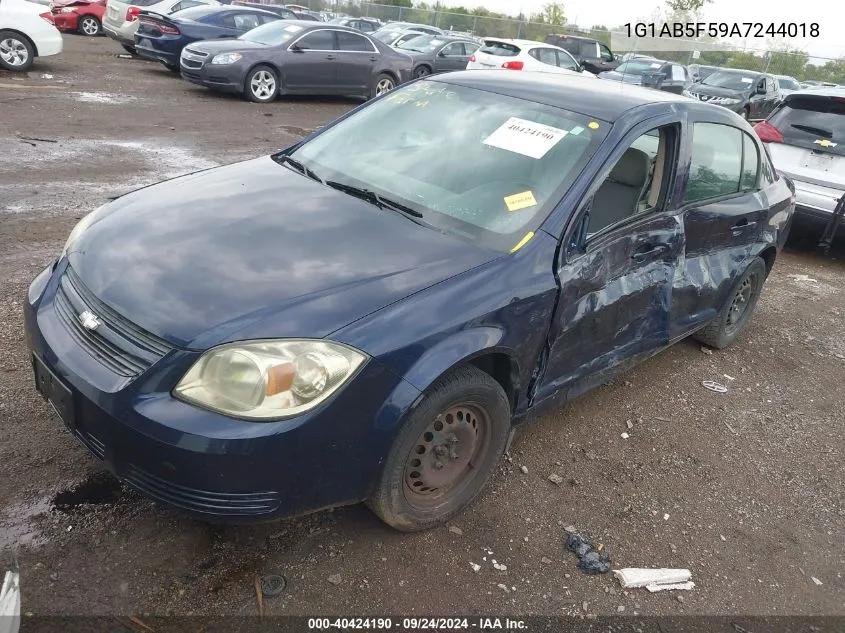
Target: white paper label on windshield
[655, 65]
[746, 80]
[525, 137]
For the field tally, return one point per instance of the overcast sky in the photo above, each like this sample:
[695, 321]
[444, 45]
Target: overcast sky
[830, 14]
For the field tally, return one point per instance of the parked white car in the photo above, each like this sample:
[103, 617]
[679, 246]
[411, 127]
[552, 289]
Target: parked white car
[525, 55]
[25, 35]
[120, 22]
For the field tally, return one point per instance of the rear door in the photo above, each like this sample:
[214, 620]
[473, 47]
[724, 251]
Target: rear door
[356, 58]
[589, 54]
[724, 213]
[310, 63]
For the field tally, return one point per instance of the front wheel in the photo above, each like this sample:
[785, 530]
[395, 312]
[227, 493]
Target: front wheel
[383, 83]
[736, 313]
[446, 450]
[422, 71]
[261, 85]
[16, 51]
[89, 25]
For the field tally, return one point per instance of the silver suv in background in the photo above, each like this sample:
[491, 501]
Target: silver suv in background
[805, 136]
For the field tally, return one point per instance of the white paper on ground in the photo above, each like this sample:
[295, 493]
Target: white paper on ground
[525, 137]
[641, 577]
[669, 587]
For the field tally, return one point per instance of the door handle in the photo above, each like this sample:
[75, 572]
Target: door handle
[647, 251]
[330, 57]
[373, 58]
[743, 223]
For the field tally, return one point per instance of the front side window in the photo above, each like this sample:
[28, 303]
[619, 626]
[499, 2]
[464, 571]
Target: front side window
[589, 49]
[750, 163]
[606, 55]
[716, 164]
[484, 167]
[317, 41]
[565, 60]
[456, 49]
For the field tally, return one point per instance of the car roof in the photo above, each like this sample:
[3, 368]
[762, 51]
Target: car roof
[786, 77]
[740, 71]
[573, 37]
[818, 92]
[605, 100]
[522, 43]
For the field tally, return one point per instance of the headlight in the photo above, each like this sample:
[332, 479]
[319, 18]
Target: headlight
[78, 230]
[68, 9]
[268, 380]
[686, 93]
[226, 58]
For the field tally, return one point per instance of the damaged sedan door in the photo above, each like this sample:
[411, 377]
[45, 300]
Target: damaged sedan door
[617, 273]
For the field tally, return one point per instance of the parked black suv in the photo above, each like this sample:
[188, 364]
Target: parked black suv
[593, 55]
[750, 94]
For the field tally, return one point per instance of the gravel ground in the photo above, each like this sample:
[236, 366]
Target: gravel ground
[744, 488]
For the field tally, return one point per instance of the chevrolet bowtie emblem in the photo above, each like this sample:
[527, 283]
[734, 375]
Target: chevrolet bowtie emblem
[89, 320]
[825, 143]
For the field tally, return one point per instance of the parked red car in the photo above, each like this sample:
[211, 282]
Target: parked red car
[84, 16]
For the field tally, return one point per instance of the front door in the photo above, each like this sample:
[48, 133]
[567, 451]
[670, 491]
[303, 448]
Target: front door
[453, 56]
[310, 63]
[356, 57]
[616, 279]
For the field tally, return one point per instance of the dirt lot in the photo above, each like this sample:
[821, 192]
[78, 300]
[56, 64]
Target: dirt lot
[744, 488]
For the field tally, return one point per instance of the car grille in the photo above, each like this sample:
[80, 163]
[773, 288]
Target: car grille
[193, 59]
[202, 501]
[701, 97]
[120, 345]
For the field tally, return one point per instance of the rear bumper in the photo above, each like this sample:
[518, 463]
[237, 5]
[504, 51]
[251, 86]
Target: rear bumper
[816, 199]
[120, 35]
[165, 57]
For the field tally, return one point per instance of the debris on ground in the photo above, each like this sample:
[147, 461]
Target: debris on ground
[545, 560]
[503, 588]
[475, 567]
[524, 469]
[556, 479]
[706, 350]
[624, 436]
[272, 585]
[816, 580]
[654, 579]
[334, 579]
[499, 566]
[629, 424]
[454, 529]
[714, 386]
[570, 529]
[592, 560]
[259, 596]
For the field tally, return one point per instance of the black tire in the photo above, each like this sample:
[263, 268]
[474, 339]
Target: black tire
[174, 68]
[89, 25]
[130, 49]
[382, 84]
[259, 76]
[16, 51]
[466, 409]
[421, 71]
[736, 313]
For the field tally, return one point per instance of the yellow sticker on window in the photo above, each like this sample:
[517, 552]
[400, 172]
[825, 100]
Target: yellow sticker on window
[520, 201]
[593, 125]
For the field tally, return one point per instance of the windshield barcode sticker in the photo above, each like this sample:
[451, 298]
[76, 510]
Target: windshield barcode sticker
[525, 137]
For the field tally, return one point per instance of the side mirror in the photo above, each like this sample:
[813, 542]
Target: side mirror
[441, 54]
[296, 49]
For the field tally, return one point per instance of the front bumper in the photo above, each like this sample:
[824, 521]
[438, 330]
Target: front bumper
[223, 77]
[65, 21]
[207, 464]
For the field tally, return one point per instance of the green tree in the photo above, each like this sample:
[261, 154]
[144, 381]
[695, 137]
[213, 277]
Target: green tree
[553, 13]
[686, 6]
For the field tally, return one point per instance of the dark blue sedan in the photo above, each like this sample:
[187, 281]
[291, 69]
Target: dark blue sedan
[162, 38]
[368, 314]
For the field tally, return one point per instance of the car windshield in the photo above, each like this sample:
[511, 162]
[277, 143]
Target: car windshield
[386, 36]
[422, 44]
[812, 118]
[788, 83]
[272, 34]
[484, 167]
[197, 13]
[499, 49]
[732, 81]
[639, 66]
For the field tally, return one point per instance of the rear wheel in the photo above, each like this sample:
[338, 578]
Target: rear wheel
[89, 25]
[422, 71]
[261, 85]
[16, 51]
[383, 83]
[736, 314]
[445, 451]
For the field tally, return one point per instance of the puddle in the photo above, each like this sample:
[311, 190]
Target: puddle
[18, 523]
[101, 488]
[109, 98]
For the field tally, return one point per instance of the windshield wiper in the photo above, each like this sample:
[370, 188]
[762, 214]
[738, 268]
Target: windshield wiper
[373, 198]
[307, 171]
[812, 130]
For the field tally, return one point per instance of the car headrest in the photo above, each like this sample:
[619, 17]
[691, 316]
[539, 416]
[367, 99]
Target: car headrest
[632, 168]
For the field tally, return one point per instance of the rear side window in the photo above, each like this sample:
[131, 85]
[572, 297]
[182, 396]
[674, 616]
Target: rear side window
[716, 165]
[811, 119]
[500, 49]
[750, 163]
[589, 49]
[246, 21]
[353, 42]
[544, 55]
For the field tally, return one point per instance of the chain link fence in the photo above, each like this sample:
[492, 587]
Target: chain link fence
[755, 57]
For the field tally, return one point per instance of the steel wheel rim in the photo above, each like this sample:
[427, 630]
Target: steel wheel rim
[445, 458]
[385, 85]
[13, 52]
[89, 26]
[741, 301]
[263, 84]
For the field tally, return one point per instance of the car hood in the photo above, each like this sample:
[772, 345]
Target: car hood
[715, 91]
[617, 76]
[256, 250]
[71, 3]
[224, 46]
